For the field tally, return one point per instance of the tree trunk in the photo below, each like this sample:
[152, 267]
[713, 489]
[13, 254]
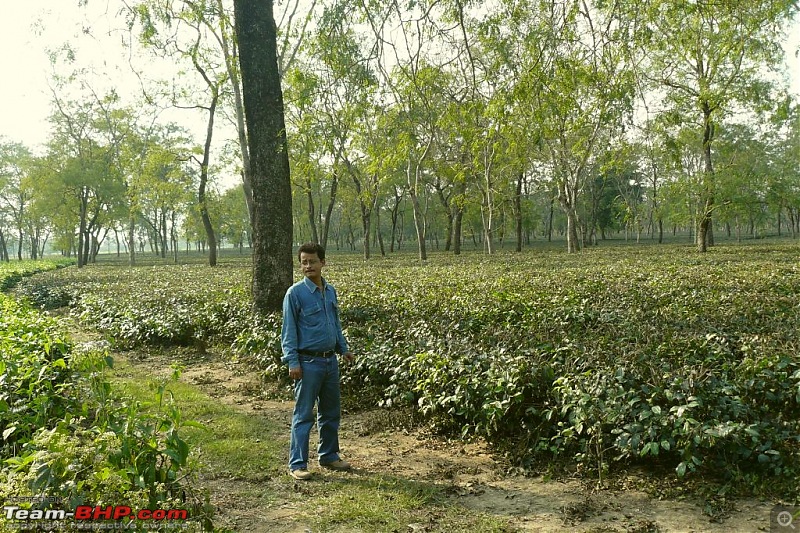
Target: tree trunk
[84, 201]
[233, 77]
[201, 193]
[327, 225]
[448, 211]
[162, 225]
[395, 212]
[704, 235]
[131, 241]
[379, 232]
[518, 210]
[21, 234]
[311, 211]
[457, 225]
[3, 248]
[419, 222]
[174, 237]
[269, 156]
[366, 211]
[567, 199]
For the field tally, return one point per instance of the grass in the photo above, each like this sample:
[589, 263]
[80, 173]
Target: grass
[243, 455]
[362, 505]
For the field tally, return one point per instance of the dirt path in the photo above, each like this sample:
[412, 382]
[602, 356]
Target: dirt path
[468, 472]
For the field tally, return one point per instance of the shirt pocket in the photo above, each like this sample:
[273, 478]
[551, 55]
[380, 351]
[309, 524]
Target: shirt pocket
[312, 316]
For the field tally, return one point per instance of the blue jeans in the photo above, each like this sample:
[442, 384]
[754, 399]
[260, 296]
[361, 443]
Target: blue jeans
[320, 385]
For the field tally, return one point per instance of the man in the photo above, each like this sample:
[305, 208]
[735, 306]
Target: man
[311, 337]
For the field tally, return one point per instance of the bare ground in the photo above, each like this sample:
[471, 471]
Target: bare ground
[469, 473]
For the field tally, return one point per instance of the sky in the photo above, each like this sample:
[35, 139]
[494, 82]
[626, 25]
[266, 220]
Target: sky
[95, 31]
[24, 93]
[29, 27]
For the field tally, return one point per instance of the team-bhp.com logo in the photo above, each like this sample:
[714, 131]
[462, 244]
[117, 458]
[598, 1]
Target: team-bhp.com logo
[86, 512]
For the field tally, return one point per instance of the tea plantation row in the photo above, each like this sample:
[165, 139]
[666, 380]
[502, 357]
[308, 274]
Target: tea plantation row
[69, 438]
[605, 358]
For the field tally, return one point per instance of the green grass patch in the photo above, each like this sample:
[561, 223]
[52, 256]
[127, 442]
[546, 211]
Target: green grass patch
[232, 443]
[385, 503]
[246, 453]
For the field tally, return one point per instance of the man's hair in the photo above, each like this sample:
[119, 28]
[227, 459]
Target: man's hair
[312, 248]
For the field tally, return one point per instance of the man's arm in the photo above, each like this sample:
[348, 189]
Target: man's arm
[341, 343]
[289, 337]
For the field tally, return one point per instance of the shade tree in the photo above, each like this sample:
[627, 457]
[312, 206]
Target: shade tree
[709, 59]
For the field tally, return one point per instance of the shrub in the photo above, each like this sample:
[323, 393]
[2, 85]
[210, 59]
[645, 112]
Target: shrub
[610, 356]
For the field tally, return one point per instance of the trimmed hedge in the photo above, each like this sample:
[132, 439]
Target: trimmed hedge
[609, 356]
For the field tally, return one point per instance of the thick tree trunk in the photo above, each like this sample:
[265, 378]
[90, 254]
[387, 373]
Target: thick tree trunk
[174, 237]
[572, 232]
[457, 225]
[419, 219]
[448, 211]
[395, 212]
[163, 229]
[379, 232]
[269, 156]
[568, 200]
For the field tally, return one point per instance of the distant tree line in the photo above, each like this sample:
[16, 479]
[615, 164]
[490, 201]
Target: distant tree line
[428, 125]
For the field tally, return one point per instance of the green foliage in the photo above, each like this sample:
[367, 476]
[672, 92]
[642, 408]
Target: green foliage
[183, 305]
[11, 273]
[607, 358]
[34, 360]
[67, 434]
[104, 449]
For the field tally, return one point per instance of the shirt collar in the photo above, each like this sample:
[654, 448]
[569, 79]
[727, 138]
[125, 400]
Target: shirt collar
[313, 286]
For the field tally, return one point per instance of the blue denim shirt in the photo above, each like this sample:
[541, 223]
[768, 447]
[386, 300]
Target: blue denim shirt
[310, 321]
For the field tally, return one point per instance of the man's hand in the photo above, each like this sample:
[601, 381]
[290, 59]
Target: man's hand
[349, 357]
[296, 372]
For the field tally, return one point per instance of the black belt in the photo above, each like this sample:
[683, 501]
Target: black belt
[317, 354]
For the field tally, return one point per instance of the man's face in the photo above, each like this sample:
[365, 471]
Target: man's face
[311, 265]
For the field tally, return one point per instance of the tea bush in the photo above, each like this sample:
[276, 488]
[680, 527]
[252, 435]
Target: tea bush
[106, 449]
[607, 357]
[66, 434]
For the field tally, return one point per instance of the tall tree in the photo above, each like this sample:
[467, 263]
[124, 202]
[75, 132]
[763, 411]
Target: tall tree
[708, 56]
[15, 190]
[269, 157]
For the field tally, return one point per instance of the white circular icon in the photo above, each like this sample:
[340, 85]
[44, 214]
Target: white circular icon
[785, 519]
